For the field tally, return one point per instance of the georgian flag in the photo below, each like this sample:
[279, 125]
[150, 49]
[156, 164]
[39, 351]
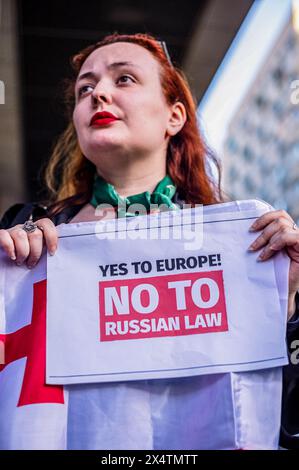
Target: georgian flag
[220, 411]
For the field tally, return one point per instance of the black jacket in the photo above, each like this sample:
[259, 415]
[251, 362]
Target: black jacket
[19, 213]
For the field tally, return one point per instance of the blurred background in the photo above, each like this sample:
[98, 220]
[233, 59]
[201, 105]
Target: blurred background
[241, 58]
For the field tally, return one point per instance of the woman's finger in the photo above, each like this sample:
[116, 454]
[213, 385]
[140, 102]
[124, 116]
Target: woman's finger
[7, 244]
[269, 217]
[21, 243]
[36, 241]
[286, 237]
[269, 231]
[50, 234]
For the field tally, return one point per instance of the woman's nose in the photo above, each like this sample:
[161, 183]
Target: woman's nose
[100, 94]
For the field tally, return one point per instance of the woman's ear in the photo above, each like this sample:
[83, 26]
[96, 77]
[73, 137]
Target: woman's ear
[177, 119]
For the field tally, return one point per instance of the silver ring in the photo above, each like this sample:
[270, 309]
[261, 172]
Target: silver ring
[29, 226]
[294, 227]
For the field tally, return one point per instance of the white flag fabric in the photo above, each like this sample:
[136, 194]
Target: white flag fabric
[233, 410]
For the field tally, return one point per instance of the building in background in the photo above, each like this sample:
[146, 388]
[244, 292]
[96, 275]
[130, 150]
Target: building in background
[261, 149]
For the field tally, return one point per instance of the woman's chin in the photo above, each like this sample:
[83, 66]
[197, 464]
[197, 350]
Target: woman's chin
[105, 141]
[106, 146]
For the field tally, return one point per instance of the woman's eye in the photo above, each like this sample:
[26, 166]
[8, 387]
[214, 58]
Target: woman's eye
[82, 89]
[125, 79]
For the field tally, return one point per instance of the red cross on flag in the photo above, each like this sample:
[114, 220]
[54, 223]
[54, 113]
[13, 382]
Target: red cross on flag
[30, 410]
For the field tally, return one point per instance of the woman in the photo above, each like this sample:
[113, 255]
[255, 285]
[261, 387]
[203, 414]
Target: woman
[132, 136]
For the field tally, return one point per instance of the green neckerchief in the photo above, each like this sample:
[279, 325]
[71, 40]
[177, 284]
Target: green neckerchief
[105, 193]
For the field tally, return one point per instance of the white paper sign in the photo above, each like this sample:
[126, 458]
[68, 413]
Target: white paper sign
[177, 297]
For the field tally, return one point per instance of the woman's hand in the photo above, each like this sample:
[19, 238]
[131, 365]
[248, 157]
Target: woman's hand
[279, 231]
[23, 246]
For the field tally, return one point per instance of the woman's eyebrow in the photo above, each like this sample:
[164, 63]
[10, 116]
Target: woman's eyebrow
[112, 66]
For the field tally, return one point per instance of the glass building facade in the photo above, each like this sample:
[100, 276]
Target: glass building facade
[261, 150]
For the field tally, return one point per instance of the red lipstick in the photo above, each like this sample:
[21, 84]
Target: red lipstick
[102, 119]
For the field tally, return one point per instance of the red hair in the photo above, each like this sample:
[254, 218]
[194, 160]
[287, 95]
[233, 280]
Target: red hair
[188, 157]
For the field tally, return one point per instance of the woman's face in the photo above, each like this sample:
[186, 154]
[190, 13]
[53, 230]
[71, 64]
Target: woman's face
[123, 79]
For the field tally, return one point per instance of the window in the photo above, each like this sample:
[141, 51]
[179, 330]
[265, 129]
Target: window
[232, 145]
[278, 76]
[260, 102]
[249, 184]
[248, 153]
